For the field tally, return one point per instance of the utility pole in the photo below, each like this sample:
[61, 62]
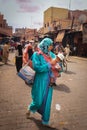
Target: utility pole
[69, 13]
[69, 4]
[70, 16]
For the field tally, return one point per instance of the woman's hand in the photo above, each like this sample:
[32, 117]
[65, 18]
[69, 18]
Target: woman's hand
[53, 62]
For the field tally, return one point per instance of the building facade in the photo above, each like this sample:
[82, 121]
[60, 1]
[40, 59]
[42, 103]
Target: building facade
[55, 18]
[60, 18]
[26, 34]
[5, 30]
[67, 26]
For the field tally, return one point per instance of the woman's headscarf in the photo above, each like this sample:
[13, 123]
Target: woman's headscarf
[44, 44]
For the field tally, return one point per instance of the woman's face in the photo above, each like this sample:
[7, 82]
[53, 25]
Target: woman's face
[50, 47]
[58, 59]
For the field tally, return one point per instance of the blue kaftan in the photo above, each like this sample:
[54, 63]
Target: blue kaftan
[39, 88]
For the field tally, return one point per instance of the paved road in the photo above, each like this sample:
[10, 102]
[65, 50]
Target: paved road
[70, 93]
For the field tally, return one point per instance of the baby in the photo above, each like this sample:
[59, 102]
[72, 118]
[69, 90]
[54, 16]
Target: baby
[56, 67]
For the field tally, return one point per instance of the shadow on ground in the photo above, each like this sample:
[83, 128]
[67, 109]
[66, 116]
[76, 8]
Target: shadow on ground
[62, 87]
[69, 72]
[41, 127]
[1, 63]
[8, 64]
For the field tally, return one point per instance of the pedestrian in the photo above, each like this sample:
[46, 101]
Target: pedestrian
[27, 53]
[67, 52]
[18, 56]
[5, 52]
[74, 50]
[41, 90]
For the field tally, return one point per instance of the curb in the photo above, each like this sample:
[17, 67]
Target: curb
[79, 58]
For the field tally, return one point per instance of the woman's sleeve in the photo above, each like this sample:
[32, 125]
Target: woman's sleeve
[52, 54]
[39, 63]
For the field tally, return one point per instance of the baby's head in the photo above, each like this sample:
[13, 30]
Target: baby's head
[60, 57]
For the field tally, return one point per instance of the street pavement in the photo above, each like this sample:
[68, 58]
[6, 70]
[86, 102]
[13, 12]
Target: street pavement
[70, 94]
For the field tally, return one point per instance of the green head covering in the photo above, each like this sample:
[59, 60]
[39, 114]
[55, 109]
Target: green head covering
[44, 44]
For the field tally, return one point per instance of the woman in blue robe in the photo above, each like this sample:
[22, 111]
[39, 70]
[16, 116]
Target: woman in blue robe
[41, 90]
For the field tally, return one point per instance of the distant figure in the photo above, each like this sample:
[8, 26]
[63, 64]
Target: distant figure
[67, 52]
[18, 56]
[74, 50]
[5, 52]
